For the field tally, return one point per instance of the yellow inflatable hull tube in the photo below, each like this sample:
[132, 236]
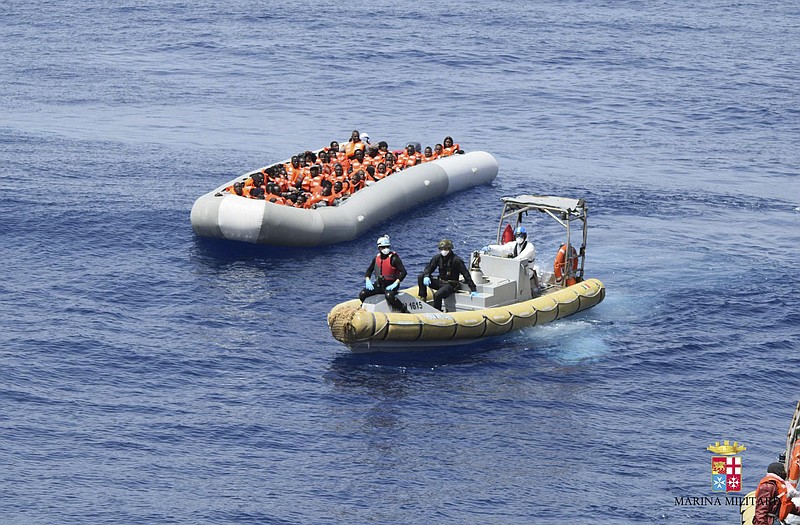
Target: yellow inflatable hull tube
[365, 331]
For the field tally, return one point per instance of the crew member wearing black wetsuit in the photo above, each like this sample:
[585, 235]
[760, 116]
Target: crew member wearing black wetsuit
[450, 267]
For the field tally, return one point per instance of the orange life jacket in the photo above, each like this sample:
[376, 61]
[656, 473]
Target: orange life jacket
[794, 472]
[407, 160]
[293, 173]
[351, 147]
[356, 186]
[446, 152]
[346, 189]
[356, 165]
[794, 464]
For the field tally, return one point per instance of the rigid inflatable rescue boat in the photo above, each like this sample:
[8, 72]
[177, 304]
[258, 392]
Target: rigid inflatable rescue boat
[225, 215]
[510, 296]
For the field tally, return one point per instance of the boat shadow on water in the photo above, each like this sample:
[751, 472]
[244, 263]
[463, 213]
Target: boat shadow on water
[478, 352]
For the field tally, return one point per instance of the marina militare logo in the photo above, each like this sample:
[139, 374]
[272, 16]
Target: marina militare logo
[726, 466]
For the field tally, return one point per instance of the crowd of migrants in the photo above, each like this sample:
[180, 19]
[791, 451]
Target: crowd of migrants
[311, 180]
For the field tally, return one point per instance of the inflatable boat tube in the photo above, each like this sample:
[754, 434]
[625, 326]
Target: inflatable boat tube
[223, 215]
[365, 331]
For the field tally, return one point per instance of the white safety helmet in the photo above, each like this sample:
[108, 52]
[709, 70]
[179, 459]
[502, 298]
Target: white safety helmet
[365, 137]
[383, 242]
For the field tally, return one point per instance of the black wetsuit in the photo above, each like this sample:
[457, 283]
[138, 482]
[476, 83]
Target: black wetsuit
[450, 267]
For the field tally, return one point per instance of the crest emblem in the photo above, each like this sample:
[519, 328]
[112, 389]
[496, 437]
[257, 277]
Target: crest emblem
[726, 468]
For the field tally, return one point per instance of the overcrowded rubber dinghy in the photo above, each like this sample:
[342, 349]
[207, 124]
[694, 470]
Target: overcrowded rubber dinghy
[223, 214]
[510, 294]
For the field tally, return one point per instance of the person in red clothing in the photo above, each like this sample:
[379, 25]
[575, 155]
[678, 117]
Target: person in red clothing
[771, 494]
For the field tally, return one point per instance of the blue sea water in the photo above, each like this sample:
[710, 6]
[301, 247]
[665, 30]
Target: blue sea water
[150, 376]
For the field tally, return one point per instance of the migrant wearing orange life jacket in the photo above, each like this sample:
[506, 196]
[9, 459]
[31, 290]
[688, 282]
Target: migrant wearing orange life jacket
[449, 147]
[373, 160]
[232, 189]
[355, 186]
[305, 174]
[356, 165]
[346, 189]
[312, 178]
[408, 158]
[292, 173]
[327, 169]
[380, 172]
[446, 152]
[351, 147]
[341, 158]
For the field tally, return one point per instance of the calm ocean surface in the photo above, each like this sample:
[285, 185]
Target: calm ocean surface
[148, 376]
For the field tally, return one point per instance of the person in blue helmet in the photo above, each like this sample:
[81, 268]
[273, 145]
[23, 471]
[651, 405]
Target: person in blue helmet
[519, 249]
[389, 272]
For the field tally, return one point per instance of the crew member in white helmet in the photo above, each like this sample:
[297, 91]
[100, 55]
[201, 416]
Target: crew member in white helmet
[389, 272]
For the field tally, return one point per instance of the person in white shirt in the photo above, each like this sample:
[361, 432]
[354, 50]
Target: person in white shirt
[519, 249]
